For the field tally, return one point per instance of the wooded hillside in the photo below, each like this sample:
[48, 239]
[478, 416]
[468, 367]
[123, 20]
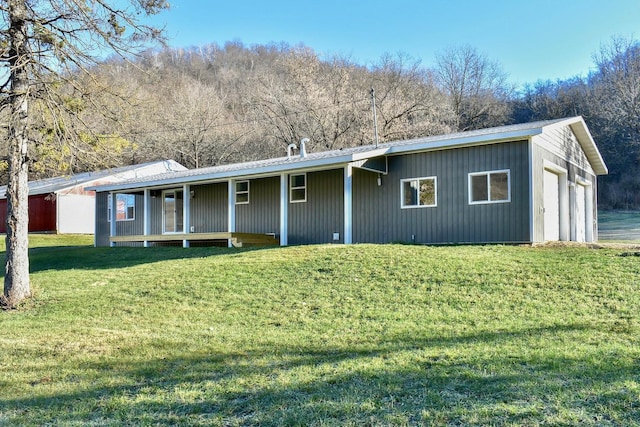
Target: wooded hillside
[220, 104]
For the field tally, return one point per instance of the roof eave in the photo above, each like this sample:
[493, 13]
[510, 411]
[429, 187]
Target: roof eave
[302, 165]
[581, 131]
[492, 138]
[295, 165]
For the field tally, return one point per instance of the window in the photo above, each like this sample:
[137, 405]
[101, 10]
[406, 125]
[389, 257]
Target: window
[125, 207]
[418, 192]
[298, 188]
[242, 192]
[489, 187]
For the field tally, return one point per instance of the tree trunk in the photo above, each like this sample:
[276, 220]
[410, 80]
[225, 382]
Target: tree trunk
[16, 279]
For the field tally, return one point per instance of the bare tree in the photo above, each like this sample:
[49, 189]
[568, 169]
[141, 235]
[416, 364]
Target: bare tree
[477, 87]
[408, 102]
[617, 83]
[615, 105]
[44, 44]
[198, 123]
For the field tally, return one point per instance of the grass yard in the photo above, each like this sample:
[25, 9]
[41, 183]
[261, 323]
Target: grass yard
[324, 336]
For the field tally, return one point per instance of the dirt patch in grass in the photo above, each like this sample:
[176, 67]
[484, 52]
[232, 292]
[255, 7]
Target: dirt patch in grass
[598, 245]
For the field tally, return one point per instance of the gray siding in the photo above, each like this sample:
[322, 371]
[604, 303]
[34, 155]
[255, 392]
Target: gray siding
[209, 208]
[155, 216]
[123, 228]
[135, 226]
[102, 223]
[378, 217]
[315, 220]
[262, 213]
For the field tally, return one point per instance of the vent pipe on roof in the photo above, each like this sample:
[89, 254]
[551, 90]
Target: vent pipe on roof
[303, 148]
[290, 147]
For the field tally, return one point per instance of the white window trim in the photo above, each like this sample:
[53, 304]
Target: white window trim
[291, 188]
[109, 207]
[588, 195]
[488, 174]
[242, 192]
[435, 184]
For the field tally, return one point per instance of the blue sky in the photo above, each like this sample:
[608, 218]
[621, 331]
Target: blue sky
[532, 40]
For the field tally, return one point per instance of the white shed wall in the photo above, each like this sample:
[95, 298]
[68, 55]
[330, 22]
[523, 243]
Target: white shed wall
[76, 214]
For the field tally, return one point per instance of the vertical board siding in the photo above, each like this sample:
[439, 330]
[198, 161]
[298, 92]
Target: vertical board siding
[155, 213]
[42, 213]
[102, 222]
[262, 213]
[209, 208]
[378, 217]
[123, 228]
[135, 226]
[315, 220]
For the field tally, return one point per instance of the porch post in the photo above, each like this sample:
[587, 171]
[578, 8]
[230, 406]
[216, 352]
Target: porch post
[186, 213]
[348, 204]
[284, 209]
[231, 214]
[113, 200]
[146, 215]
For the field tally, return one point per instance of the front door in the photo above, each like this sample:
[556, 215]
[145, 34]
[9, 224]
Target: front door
[173, 211]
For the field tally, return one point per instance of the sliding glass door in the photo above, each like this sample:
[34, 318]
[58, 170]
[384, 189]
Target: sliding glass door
[173, 211]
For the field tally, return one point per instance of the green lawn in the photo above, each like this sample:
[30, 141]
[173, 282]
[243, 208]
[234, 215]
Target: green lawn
[324, 335]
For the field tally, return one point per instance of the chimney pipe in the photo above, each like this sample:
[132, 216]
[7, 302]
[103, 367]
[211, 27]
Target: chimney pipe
[290, 147]
[303, 148]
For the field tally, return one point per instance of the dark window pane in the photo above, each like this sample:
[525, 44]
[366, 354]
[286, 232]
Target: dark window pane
[242, 186]
[298, 195]
[297, 181]
[499, 186]
[479, 190]
[427, 192]
[410, 193]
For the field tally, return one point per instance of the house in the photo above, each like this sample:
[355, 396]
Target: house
[522, 183]
[64, 205]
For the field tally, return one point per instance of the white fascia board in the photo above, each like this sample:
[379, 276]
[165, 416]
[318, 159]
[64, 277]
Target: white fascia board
[469, 141]
[590, 148]
[365, 155]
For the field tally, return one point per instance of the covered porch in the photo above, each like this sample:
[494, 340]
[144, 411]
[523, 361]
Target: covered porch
[233, 239]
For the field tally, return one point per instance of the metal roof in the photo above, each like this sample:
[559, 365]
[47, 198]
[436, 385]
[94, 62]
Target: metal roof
[336, 157]
[53, 185]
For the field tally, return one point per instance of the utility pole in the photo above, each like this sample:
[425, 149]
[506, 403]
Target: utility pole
[375, 117]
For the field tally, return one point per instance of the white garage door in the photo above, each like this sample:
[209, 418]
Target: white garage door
[581, 217]
[551, 206]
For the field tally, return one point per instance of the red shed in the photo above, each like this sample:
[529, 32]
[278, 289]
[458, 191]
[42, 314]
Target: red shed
[62, 205]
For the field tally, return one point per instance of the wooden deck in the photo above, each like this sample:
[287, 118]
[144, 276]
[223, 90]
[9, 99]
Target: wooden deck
[237, 239]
